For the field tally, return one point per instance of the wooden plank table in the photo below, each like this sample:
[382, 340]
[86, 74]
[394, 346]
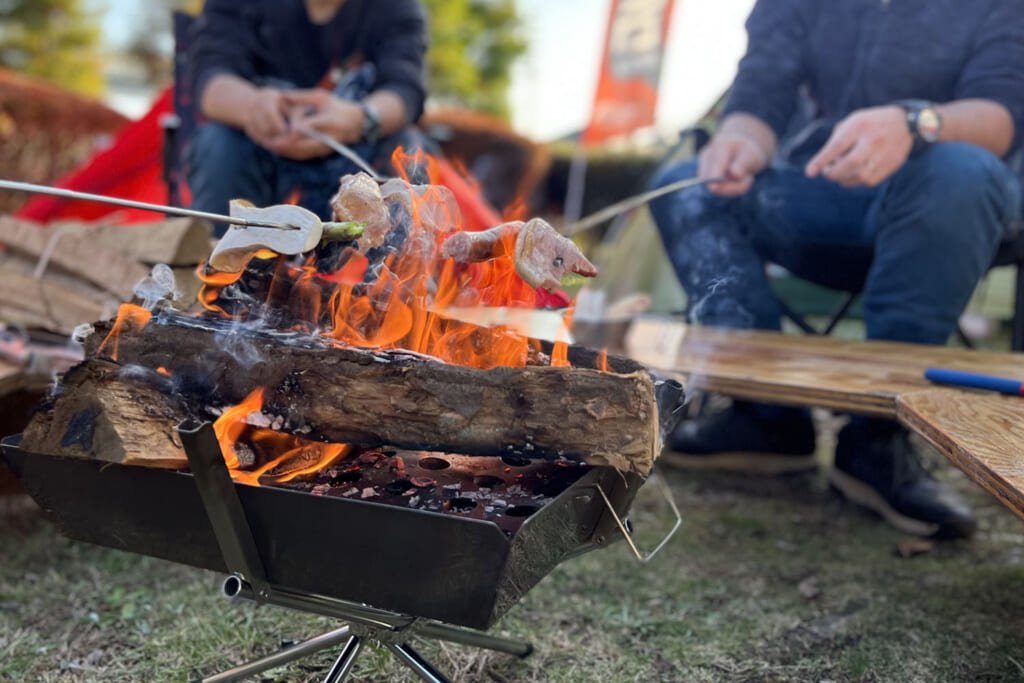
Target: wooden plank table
[981, 432]
[864, 377]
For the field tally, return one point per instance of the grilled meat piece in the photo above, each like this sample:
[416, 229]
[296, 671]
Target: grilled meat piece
[542, 256]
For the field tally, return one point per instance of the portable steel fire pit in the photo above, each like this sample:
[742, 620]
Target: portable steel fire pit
[462, 550]
[423, 472]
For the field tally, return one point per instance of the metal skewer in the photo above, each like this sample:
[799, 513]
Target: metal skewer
[145, 206]
[342, 149]
[633, 202]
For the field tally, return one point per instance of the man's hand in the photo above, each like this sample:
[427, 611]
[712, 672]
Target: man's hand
[865, 149]
[264, 117]
[734, 156]
[322, 111]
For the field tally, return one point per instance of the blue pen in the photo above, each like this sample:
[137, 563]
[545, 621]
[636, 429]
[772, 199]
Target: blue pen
[957, 378]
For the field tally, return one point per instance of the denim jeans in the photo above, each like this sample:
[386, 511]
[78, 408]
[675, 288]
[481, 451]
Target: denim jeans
[222, 164]
[916, 246]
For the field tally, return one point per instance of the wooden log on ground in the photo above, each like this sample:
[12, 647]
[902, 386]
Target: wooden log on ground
[347, 395]
[12, 378]
[55, 302]
[173, 241]
[73, 249]
[102, 413]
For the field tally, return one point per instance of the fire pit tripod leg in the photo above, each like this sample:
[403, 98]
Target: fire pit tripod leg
[415, 661]
[290, 654]
[342, 666]
[249, 582]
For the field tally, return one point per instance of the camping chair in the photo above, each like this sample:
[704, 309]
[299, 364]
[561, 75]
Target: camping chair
[178, 126]
[1010, 253]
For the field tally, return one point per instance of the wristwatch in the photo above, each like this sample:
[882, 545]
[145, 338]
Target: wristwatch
[371, 122]
[924, 122]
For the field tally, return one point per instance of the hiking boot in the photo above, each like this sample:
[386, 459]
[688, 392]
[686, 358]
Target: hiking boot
[746, 437]
[876, 466]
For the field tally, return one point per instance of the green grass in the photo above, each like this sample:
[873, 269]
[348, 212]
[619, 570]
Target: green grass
[720, 603]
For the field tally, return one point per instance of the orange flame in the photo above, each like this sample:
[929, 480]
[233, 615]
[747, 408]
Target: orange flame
[214, 281]
[285, 457]
[400, 307]
[130, 319]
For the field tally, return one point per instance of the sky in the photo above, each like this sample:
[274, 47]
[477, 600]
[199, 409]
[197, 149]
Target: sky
[553, 84]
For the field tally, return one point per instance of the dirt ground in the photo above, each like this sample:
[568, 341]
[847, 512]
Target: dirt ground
[767, 580]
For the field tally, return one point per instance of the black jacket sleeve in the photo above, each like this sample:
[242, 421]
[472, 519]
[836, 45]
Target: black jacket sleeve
[995, 69]
[773, 68]
[397, 45]
[223, 39]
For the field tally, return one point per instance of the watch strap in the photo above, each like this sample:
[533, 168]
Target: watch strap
[923, 121]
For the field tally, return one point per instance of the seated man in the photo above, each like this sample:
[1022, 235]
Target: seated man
[898, 187]
[265, 71]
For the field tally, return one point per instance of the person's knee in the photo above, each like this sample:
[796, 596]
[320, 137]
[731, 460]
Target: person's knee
[217, 148]
[958, 184]
[673, 174]
[682, 211]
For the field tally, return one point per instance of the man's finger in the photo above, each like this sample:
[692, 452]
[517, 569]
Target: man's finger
[715, 164]
[847, 167]
[305, 97]
[837, 146]
[746, 163]
[732, 188]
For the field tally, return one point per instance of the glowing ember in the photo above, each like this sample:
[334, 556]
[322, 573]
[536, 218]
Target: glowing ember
[130, 318]
[271, 457]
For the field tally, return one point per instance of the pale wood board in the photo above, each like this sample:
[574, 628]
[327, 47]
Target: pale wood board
[12, 378]
[54, 302]
[864, 377]
[173, 241]
[982, 433]
[73, 249]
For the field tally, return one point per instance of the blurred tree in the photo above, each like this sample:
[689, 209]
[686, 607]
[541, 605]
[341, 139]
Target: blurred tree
[56, 40]
[473, 44]
[153, 43]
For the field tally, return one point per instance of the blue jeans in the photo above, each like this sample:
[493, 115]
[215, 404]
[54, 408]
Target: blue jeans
[224, 164]
[916, 246]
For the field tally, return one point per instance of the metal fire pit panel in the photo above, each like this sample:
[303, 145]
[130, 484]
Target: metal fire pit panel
[420, 563]
[440, 566]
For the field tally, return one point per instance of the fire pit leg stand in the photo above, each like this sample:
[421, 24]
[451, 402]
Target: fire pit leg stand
[289, 654]
[249, 581]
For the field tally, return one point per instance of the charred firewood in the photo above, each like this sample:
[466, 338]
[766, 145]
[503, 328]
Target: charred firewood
[402, 399]
[107, 411]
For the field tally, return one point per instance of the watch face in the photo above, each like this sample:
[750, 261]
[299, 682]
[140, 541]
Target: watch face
[929, 124]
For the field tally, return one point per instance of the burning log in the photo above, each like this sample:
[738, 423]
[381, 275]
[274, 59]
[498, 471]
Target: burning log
[106, 411]
[354, 349]
[356, 396]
